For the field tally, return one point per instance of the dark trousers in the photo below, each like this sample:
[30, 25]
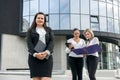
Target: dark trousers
[92, 62]
[76, 65]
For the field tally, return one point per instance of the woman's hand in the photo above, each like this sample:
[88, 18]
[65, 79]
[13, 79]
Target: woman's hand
[70, 46]
[41, 55]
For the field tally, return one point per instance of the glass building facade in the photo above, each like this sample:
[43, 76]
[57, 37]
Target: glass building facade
[99, 15]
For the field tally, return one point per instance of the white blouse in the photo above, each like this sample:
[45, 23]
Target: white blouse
[41, 31]
[76, 45]
[92, 42]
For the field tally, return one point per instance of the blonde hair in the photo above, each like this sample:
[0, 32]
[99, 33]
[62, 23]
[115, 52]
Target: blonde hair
[90, 31]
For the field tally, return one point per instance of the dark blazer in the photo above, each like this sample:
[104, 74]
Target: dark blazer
[33, 37]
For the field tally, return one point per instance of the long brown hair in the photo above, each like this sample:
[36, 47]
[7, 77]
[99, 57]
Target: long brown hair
[34, 20]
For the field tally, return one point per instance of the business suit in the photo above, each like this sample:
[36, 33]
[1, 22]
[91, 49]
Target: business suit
[40, 68]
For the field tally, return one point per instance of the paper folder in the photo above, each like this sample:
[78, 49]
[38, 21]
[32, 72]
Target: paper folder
[88, 50]
[40, 46]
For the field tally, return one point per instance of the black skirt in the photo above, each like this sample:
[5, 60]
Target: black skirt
[40, 68]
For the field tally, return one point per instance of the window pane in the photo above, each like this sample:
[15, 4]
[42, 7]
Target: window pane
[94, 19]
[54, 21]
[109, 1]
[102, 0]
[109, 10]
[115, 2]
[85, 6]
[94, 7]
[115, 12]
[103, 24]
[75, 21]
[75, 6]
[95, 26]
[31, 19]
[116, 26]
[26, 8]
[102, 9]
[54, 6]
[25, 24]
[64, 6]
[64, 22]
[44, 6]
[110, 25]
[33, 7]
[85, 22]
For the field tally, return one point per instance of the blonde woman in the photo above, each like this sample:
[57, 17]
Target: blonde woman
[91, 59]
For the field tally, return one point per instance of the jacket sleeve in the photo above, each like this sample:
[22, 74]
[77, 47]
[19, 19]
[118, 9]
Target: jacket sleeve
[50, 45]
[30, 45]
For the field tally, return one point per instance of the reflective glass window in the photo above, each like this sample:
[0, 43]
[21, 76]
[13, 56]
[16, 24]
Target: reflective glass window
[74, 5]
[103, 24]
[64, 22]
[115, 12]
[26, 9]
[31, 19]
[33, 7]
[54, 6]
[102, 8]
[85, 6]
[119, 13]
[115, 2]
[75, 21]
[25, 24]
[102, 0]
[109, 1]
[43, 6]
[85, 22]
[94, 7]
[64, 6]
[54, 21]
[110, 25]
[109, 10]
[116, 26]
[94, 23]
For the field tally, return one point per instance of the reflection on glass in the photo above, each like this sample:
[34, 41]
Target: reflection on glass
[115, 2]
[54, 6]
[95, 26]
[85, 6]
[102, 8]
[94, 19]
[103, 24]
[116, 24]
[33, 7]
[115, 12]
[109, 10]
[26, 8]
[94, 7]
[54, 22]
[44, 6]
[25, 24]
[102, 0]
[31, 19]
[64, 6]
[109, 1]
[74, 5]
[85, 22]
[110, 25]
[64, 22]
[75, 21]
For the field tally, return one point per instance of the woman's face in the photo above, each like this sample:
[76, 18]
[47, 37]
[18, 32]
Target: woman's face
[76, 33]
[40, 19]
[88, 35]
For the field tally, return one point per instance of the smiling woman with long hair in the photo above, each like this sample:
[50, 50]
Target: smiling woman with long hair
[40, 63]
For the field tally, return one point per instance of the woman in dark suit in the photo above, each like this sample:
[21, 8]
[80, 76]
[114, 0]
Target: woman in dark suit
[40, 66]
